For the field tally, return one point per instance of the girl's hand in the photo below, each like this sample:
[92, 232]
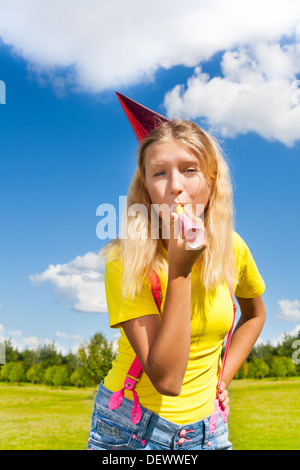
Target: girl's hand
[224, 398]
[181, 259]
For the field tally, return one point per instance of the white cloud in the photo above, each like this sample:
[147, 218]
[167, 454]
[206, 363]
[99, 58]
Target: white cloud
[254, 94]
[60, 334]
[289, 310]
[80, 282]
[115, 341]
[98, 45]
[15, 333]
[20, 342]
[281, 337]
[101, 45]
[31, 342]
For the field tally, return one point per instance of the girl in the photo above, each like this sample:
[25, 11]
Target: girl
[178, 342]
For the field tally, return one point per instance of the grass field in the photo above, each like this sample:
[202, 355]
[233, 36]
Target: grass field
[265, 415]
[37, 417]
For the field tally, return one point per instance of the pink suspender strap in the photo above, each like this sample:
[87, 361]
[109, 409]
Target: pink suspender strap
[219, 409]
[156, 289]
[135, 369]
[228, 339]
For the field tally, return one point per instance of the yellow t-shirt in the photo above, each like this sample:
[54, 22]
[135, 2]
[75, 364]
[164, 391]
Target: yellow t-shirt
[211, 319]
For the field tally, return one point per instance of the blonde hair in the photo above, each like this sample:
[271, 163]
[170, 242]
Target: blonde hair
[140, 256]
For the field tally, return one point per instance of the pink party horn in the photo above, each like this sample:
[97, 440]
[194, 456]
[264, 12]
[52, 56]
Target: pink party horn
[194, 234]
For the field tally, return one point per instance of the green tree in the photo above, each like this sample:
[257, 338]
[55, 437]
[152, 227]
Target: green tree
[97, 356]
[263, 351]
[5, 371]
[36, 373]
[57, 376]
[242, 373]
[48, 376]
[291, 368]
[60, 376]
[16, 372]
[28, 358]
[71, 361]
[81, 377]
[11, 354]
[258, 369]
[282, 367]
[278, 367]
[48, 356]
[284, 348]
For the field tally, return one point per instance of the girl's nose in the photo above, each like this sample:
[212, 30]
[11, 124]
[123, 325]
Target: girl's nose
[176, 186]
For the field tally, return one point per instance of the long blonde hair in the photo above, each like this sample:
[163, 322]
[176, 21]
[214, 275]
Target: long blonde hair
[140, 256]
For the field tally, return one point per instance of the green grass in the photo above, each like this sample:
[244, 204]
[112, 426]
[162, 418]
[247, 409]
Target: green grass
[37, 417]
[265, 414]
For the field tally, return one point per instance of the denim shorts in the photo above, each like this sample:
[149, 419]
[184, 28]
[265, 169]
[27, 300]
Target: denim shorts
[114, 430]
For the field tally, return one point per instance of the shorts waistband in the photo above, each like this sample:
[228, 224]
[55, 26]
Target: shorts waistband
[160, 428]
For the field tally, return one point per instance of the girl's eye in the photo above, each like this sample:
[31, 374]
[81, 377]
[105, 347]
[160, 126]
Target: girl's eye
[190, 170]
[187, 170]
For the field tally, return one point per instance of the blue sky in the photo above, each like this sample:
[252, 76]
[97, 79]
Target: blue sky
[66, 147]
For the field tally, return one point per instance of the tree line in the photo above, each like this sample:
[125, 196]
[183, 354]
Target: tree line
[45, 365]
[279, 361]
[90, 364]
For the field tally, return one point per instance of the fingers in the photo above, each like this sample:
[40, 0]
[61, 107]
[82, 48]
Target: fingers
[224, 398]
[199, 243]
[198, 220]
[174, 226]
[226, 409]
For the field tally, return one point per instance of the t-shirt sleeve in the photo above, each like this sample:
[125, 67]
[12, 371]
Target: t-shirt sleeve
[120, 309]
[250, 283]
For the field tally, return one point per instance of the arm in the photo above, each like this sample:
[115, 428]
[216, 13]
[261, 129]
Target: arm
[163, 345]
[249, 326]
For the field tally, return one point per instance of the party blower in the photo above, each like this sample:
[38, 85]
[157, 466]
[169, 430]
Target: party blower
[194, 234]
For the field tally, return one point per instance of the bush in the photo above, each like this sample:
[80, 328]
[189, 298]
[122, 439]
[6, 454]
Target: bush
[36, 374]
[243, 371]
[57, 376]
[13, 372]
[81, 378]
[96, 357]
[282, 367]
[258, 369]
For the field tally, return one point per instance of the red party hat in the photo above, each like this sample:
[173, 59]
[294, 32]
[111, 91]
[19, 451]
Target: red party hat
[142, 120]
